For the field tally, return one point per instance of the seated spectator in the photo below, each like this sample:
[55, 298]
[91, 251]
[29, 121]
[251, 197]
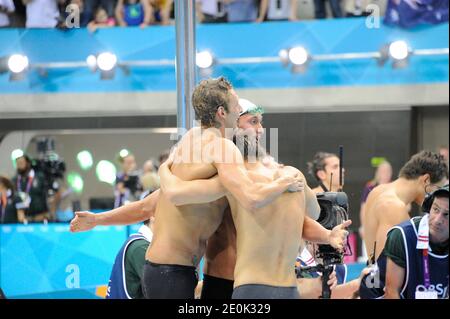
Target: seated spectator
[133, 13]
[42, 13]
[101, 20]
[278, 10]
[11, 207]
[6, 9]
[211, 11]
[89, 9]
[243, 11]
[320, 12]
[160, 11]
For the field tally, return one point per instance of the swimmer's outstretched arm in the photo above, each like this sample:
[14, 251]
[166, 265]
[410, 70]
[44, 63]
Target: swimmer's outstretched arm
[316, 233]
[131, 213]
[233, 175]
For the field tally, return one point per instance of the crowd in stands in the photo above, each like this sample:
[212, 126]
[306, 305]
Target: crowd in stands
[96, 14]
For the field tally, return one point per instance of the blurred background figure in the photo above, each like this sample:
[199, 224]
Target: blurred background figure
[383, 175]
[11, 207]
[90, 7]
[6, 9]
[160, 11]
[276, 10]
[128, 186]
[320, 12]
[30, 187]
[101, 20]
[211, 11]
[42, 13]
[149, 178]
[243, 11]
[133, 13]
[163, 157]
[443, 151]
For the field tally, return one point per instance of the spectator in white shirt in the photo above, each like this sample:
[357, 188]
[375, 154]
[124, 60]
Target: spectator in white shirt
[6, 8]
[42, 13]
[211, 11]
[278, 10]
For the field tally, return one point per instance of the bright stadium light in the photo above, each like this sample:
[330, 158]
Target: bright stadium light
[106, 172]
[124, 153]
[204, 59]
[91, 61]
[76, 182]
[18, 63]
[284, 57]
[85, 160]
[298, 55]
[398, 50]
[106, 61]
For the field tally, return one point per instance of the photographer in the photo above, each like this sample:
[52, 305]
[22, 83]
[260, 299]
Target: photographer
[388, 205]
[128, 186]
[325, 169]
[417, 253]
[30, 187]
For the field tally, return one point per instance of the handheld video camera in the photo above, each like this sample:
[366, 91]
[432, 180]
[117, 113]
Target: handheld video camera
[49, 163]
[334, 210]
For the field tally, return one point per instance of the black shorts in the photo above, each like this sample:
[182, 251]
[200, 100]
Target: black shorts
[254, 291]
[161, 281]
[216, 288]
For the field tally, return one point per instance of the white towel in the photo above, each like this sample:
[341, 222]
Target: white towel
[423, 233]
[147, 232]
[307, 258]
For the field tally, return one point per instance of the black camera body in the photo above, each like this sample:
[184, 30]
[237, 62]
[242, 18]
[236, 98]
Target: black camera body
[50, 164]
[333, 212]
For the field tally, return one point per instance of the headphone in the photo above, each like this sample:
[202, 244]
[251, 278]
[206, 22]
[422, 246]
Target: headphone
[428, 201]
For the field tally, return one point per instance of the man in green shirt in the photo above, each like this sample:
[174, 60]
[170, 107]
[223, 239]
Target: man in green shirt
[126, 275]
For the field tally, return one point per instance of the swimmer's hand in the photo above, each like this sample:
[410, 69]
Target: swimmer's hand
[296, 183]
[83, 221]
[338, 235]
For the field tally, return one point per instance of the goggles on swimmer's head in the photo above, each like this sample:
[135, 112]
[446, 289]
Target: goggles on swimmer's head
[249, 107]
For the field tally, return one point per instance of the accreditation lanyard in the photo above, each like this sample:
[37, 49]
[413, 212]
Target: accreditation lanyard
[426, 268]
[29, 183]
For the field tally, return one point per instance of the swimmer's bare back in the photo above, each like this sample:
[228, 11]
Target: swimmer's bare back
[181, 232]
[268, 239]
[383, 210]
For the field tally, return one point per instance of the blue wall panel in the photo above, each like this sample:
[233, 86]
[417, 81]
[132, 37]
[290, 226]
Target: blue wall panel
[226, 41]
